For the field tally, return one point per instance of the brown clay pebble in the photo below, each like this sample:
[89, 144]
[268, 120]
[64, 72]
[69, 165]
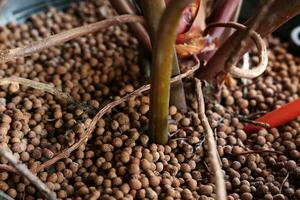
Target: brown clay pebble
[135, 184]
[119, 160]
[206, 189]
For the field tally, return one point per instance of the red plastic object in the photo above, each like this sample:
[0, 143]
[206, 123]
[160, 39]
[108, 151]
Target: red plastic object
[277, 117]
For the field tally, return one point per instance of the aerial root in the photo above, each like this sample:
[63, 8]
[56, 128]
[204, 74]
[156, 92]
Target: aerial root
[262, 52]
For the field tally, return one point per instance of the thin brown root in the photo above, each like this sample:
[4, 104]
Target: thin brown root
[258, 152]
[256, 114]
[207, 168]
[256, 123]
[7, 168]
[12, 54]
[47, 88]
[249, 118]
[212, 146]
[23, 170]
[284, 181]
[262, 50]
[103, 111]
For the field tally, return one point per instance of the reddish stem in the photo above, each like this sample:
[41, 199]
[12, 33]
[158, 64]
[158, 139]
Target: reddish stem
[278, 116]
[222, 13]
[279, 13]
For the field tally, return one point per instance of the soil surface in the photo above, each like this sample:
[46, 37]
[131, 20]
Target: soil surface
[118, 161]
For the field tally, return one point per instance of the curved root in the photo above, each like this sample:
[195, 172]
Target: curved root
[65, 153]
[7, 168]
[11, 54]
[47, 88]
[261, 46]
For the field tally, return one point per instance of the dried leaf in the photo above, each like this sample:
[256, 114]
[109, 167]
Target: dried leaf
[195, 46]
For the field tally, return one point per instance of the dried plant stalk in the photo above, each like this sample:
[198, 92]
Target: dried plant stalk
[11, 54]
[66, 153]
[47, 88]
[23, 170]
[212, 146]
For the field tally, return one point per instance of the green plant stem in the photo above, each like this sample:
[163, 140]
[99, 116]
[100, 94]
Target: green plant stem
[278, 13]
[161, 71]
[152, 11]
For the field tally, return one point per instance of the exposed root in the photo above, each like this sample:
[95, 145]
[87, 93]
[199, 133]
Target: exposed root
[88, 132]
[283, 182]
[249, 119]
[256, 114]
[12, 54]
[256, 123]
[7, 168]
[212, 146]
[23, 170]
[262, 50]
[260, 151]
[47, 88]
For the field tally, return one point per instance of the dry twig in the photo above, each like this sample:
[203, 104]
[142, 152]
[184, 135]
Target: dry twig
[47, 88]
[23, 170]
[104, 110]
[262, 52]
[11, 54]
[212, 146]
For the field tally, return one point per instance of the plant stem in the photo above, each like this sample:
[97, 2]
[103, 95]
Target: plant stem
[161, 71]
[89, 130]
[152, 11]
[277, 14]
[125, 7]
[224, 11]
